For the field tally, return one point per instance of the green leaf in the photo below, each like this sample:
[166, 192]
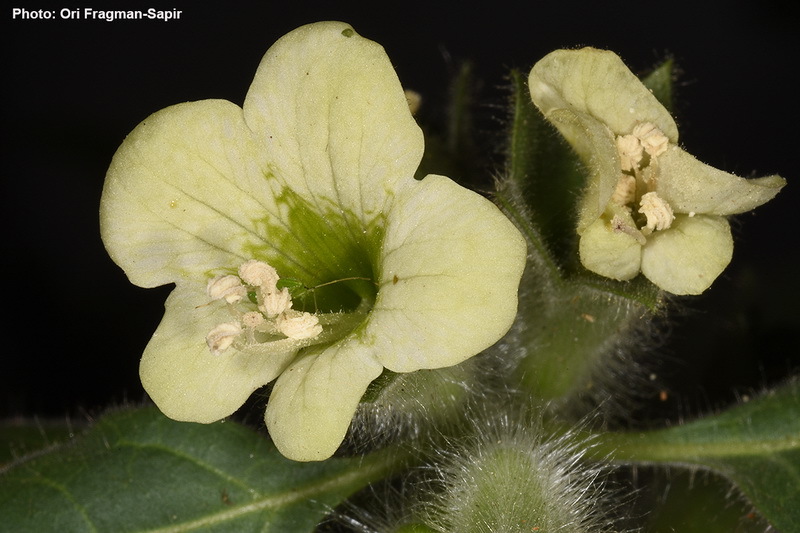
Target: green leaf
[756, 445]
[681, 500]
[136, 470]
[22, 436]
[660, 82]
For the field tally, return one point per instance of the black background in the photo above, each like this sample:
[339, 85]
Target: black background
[74, 327]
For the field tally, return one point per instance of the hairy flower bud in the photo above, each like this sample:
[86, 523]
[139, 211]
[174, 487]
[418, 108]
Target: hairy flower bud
[510, 478]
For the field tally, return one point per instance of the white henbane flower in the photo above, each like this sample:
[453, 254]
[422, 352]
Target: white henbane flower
[308, 185]
[649, 206]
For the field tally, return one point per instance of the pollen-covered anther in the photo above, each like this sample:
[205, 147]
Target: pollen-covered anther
[273, 302]
[653, 139]
[258, 273]
[297, 325]
[222, 337]
[228, 287]
[625, 191]
[658, 212]
[630, 150]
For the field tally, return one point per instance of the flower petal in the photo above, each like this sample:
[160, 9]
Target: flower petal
[597, 83]
[688, 257]
[184, 181]
[179, 372]
[327, 106]
[610, 253]
[691, 186]
[591, 97]
[451, 266]
[314, 400]
[597, 147]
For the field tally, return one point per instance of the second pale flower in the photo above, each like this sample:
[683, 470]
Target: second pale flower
[648, 205]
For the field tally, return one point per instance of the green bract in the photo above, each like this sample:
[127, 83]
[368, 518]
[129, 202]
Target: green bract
[311, 181]
[648, 205]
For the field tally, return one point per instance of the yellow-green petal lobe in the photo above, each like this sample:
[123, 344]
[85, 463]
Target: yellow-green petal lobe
[451, 266]
[597, 147]
[691, 186]
[597, 83]
[688, 257]
[185, 181]
[185, 380]
[327, 107]
[608, 252]
[314, 400]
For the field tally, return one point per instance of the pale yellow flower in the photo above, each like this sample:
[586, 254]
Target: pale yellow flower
[648, 205]
[311, 181]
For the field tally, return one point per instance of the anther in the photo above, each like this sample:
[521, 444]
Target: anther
[228, 287]
[296, 325]
[273, 302]
[630, 152]
[653, 140]
[221, 337]
[258, 273]
[658, 212]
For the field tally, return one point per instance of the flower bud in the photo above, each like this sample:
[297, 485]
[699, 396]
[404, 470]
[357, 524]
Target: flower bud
[510, 478]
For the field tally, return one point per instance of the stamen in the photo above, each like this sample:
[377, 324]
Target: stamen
[274, 316]
[273, 302]
[221, 337]
[658, 212]
[653, 140]
[645, 138]
[228, 287]
[296, 325]
[258, 273]
[630, 152]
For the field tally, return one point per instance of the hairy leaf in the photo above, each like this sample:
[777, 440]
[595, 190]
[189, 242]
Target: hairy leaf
[22, 436]
[136, 470]
[688, 501]
[756, 445]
